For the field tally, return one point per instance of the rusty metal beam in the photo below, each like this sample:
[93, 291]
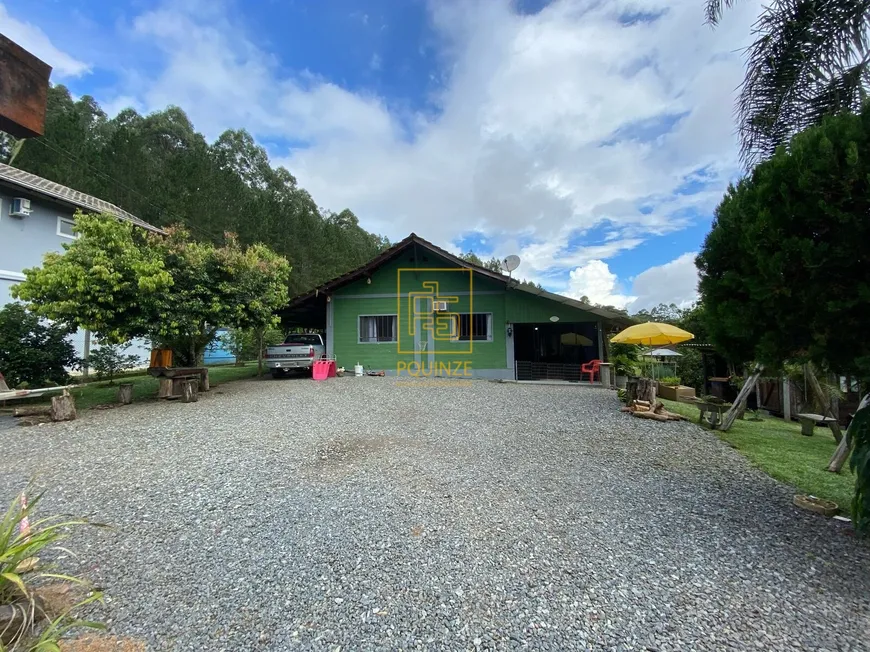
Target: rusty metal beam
[23, 90]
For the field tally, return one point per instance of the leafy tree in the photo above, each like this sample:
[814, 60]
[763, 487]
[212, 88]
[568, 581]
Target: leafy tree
[110, 359]
[663, 313]
[531, 284]
[809, 60]
[244, 343]
[783, 272]
[161, 169]
[33, 351]
[493, 264]
[122, 282]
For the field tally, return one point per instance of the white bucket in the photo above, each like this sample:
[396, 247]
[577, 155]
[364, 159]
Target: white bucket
[357, 370]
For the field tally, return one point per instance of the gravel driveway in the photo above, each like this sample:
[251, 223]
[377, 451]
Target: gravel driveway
[377, 513]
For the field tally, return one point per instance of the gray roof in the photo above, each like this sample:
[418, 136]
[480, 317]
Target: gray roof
[46, 188]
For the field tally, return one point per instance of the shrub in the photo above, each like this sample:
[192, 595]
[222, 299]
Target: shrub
[110, 359]
[669, 380]
[33, 351]
[625, 359]
[243, 342]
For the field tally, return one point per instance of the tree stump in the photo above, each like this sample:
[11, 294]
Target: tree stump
[190, 391]
[125, 393]
[640, 389]
[63, 408]
[165, 388]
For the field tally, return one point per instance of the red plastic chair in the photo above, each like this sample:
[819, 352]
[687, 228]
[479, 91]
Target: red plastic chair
[592, 367]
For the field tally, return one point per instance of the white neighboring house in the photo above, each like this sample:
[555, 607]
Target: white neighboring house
[36, 216]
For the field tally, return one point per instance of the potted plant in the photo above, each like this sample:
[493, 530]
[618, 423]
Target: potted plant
[669, 387]
[625, 359]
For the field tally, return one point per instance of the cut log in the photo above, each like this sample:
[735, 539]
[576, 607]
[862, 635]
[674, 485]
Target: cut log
[165, 388]
[845, 446]
[653, 416]
[31, 410]
[125, 393]
[189, 391]
[823, 401]
[63, 408]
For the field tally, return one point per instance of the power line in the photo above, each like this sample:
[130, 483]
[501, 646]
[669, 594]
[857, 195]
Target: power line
[60, 150]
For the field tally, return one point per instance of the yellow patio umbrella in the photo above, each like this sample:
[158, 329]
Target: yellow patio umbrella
[652, 334]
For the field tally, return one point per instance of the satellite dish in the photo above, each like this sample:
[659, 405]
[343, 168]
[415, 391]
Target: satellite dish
[510, 263]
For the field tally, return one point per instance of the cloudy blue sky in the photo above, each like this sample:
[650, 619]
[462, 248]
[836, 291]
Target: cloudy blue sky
[592, 138]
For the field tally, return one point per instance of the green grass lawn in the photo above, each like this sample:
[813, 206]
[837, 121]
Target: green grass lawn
[778, 448]
[145, 387]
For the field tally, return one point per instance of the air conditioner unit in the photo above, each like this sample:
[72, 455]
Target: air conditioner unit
[20, 207]
[439, 306]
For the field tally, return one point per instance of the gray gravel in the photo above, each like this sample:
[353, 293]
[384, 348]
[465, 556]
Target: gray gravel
[376, 513]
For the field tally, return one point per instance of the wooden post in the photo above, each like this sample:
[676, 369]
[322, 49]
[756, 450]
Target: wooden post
[757, 397]
[189, 391]
[740, 403]
[165, 388]
[786, 399]
[203, 381]
[823, 402]
[838, 459]
[86, 356]
[125, 393]
[63, 408]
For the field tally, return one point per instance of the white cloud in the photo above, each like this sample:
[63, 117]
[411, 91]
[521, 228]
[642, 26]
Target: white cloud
[595, 281]
[674, 282]
[565, 136]
[34, 40]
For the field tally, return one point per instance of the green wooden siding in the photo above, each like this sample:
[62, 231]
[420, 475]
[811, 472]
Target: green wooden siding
[379, 297]
[525, 308]
[484, 296]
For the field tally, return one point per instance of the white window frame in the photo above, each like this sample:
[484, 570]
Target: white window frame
[68, 220]
[359, 319]
[489, 330]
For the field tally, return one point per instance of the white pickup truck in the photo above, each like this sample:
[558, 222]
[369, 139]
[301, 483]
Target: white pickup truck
[298, 352]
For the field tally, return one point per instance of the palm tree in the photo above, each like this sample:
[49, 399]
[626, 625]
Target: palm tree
[810, 58]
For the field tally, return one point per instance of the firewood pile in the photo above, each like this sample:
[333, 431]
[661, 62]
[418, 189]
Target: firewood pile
[657, 412]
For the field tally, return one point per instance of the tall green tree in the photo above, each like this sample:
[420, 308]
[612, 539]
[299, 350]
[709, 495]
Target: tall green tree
[161, 169]
[809, 59]
[784, 273]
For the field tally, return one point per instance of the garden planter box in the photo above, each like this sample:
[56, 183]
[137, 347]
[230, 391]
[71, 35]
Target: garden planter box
[675, 392]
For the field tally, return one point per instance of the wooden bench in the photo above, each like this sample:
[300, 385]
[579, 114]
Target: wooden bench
[809, 420]
[172, 380]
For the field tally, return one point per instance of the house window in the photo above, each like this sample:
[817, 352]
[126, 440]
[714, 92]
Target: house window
[476, 327]
[65, 228]
[377, 328]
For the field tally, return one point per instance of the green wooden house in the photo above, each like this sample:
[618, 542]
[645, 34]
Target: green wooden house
[417, 309]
